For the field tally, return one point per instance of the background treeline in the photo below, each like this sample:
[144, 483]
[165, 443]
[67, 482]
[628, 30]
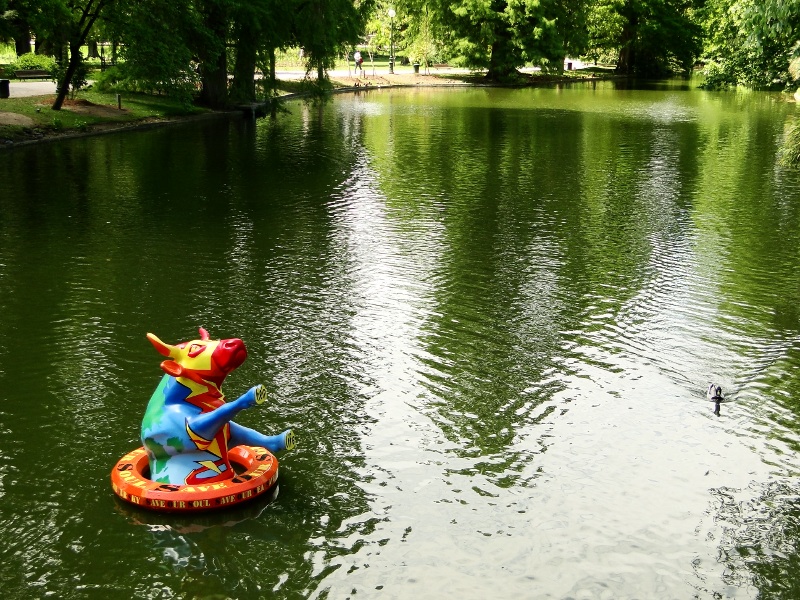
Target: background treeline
[210, 50]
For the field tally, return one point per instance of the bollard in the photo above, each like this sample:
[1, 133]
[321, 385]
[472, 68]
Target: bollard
[4, 87]
[119, 102]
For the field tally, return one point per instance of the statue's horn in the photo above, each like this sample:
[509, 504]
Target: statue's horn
[163, 349]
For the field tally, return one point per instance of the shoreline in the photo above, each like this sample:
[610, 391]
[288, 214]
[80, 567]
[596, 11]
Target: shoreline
[111, 127]
[342, 83]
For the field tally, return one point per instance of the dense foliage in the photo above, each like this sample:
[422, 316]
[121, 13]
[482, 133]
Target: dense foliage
[751, 42]
[210, 50]
[32, 61]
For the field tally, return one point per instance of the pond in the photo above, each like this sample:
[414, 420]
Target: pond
[490, 315]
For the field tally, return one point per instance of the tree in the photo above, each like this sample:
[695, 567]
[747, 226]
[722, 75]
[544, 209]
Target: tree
[81, 17]
[215, 18]
[45, 19]
[174, 47]
[572, 27]
[5, 21]
[657, 37]
[15, 24]
[324, 27]
[503, 35]
[155, 41]
[604, 29]
[750, 42]
[422, 38]
[259, 28]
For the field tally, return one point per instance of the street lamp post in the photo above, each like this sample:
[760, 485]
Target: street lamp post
[391, 41]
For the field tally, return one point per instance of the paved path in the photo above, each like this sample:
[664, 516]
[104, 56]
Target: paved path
[18, 89]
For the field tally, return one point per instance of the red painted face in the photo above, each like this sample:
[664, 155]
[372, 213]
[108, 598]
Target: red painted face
[201, 359]
[229, 354]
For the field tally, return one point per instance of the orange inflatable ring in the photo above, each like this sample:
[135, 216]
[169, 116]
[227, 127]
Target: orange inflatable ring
[257, 470]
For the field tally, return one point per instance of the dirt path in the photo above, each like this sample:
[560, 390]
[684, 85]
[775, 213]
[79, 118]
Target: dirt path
[9, 118]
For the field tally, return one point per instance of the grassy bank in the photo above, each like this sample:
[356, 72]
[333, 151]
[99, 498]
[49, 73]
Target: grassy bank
[31, 117]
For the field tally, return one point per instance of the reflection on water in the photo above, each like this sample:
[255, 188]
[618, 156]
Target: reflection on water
[491, 316]
[756, 531]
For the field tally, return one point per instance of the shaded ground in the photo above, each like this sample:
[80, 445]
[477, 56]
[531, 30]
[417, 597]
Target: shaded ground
[84, 107]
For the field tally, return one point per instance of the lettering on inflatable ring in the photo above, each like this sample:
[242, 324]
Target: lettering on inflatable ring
[260, 475]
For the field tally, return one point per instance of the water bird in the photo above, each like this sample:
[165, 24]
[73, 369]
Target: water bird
[714, 394]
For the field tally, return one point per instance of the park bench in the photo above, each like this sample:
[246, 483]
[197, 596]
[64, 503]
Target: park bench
[441, 66]
[32, 74]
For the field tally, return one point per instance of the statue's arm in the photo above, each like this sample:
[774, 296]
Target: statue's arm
[206, 425]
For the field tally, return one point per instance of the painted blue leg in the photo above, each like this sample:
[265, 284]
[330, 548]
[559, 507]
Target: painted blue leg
[279, 443]
[250, 437]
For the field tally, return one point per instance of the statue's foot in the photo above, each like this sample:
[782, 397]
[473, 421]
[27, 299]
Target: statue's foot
[289, 440]
[280, 442]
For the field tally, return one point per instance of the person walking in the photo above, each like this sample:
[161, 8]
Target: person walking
[359, 61]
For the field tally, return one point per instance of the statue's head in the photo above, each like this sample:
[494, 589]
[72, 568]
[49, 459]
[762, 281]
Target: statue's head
[206, 359]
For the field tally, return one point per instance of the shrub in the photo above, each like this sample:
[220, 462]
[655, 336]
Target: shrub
[716, 77]
[79, 77]
[126, 77]
[33, 61]
[108, 80]
[790, 149]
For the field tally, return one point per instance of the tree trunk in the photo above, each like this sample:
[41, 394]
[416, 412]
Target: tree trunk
[53, 45]
[501, 69]
[502, 63]
[22, 45]
[243, 86]
[22, 36]
[214, 78]
[273, 80]
[213, 62]
[44, 46]
[77, 36]
[62, 88]
[626, 63]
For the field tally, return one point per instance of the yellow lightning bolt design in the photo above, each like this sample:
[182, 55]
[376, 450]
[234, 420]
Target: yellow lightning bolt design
[211, 446]
[209, 464]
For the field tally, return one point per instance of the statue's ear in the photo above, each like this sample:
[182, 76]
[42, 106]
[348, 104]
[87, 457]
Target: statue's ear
[163, 349]
[170, 367]
[203, 334]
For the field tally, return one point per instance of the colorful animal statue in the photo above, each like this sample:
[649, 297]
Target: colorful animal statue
[187, 427]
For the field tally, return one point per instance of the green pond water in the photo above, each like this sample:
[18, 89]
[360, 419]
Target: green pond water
[490, 315]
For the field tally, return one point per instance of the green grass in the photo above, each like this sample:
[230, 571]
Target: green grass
[47, 121]
[292, 86]
[142, 105]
